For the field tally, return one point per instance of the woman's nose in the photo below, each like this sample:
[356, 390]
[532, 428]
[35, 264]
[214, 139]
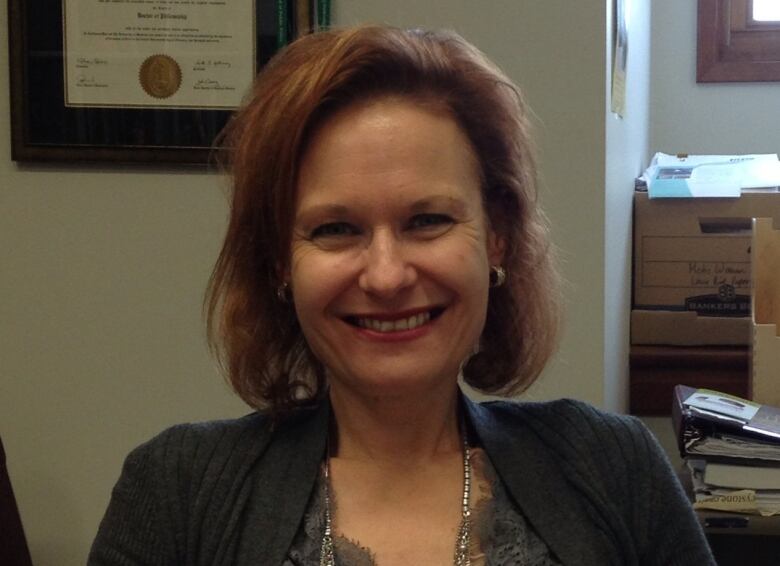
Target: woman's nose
[386, 270]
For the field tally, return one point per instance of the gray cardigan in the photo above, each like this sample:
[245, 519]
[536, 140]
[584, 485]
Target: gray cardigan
[595, 486]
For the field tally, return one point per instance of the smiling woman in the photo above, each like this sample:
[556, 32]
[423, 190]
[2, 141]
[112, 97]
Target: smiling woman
[384, 240]
[268, 360]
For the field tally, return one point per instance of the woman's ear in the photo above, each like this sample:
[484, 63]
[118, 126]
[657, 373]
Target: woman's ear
[283, 274]
[496, 247]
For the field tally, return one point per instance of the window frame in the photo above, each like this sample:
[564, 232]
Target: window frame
[732, 47]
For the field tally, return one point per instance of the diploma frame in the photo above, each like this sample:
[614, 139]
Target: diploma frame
[44, 129]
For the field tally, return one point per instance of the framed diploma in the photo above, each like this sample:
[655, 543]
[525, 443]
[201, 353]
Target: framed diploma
[149, 81]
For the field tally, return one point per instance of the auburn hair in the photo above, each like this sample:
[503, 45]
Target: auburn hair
[253, 330]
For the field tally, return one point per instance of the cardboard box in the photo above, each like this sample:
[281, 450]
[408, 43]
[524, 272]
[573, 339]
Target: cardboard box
[765, 348]
[692, 268]
[687, 328]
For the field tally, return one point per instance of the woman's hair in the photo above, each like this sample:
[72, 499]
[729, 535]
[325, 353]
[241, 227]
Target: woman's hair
[254, 330]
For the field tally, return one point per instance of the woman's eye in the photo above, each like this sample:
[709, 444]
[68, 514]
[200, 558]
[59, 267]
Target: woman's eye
[429, 221]
[333, 229]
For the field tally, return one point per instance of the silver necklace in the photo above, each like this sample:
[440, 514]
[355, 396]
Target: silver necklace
[463, 542]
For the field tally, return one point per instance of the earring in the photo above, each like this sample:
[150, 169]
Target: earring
[283, 293]
[497, 275]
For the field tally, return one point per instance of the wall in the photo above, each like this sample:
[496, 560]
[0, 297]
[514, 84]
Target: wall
[627, 141]
[717, 118]
[102, 270]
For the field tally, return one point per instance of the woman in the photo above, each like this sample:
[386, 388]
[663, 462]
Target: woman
[384, 239]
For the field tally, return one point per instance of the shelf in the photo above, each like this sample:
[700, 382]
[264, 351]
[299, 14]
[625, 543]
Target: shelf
[655, 370]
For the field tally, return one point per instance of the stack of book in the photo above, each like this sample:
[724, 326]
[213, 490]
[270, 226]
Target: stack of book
[732, 449]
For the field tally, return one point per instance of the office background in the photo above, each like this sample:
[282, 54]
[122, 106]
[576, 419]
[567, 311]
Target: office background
[102, 269]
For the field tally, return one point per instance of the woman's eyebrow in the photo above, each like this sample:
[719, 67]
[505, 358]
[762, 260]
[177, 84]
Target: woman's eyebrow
[430, 203]
[324, 209]
[426, 204]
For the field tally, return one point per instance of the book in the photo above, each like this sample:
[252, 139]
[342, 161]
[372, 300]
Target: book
[737, 476]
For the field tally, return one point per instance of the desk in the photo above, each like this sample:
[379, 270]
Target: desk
[757, 544]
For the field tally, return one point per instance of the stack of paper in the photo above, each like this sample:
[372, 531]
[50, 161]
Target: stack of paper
[743, 492]
[675, 176]
[732, 449]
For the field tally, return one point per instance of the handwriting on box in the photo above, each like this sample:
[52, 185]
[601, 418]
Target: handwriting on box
[715, 274]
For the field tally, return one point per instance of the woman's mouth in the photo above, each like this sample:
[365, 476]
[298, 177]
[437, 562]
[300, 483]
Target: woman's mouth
[385, 324]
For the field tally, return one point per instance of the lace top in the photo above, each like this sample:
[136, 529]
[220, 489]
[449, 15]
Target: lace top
[500, 533]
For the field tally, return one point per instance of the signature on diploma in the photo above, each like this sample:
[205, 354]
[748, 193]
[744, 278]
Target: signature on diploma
[203, 64]
[89, 81]
[211, 84]
[87, 62]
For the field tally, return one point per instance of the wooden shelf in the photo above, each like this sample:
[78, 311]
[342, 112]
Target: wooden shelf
[655, 370]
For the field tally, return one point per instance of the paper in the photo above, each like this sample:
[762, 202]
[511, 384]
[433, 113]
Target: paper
[738, 501]
[723, 403]
[680, 176]
[733, 447]
[619, 62]
[756, 502]
[158, 53]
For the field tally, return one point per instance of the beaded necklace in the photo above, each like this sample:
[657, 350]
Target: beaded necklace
[462, 543]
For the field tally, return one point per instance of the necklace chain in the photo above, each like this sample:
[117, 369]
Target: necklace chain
[326, 550]
[463, 542]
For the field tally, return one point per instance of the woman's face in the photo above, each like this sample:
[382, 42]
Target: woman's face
[391, 249]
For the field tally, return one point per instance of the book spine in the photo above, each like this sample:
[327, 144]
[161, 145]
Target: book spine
[323, 14]
[282, 23]
[679, 420]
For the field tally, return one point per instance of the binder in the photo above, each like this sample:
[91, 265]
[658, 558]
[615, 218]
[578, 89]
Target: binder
[721, 427]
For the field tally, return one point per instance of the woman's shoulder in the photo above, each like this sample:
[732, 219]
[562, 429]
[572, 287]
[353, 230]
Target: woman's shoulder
[193, 454]
[571, 427]
[560, 413]
[194, 439]
[163, 478]
[203, 474]
[224, 438]
[189, 450]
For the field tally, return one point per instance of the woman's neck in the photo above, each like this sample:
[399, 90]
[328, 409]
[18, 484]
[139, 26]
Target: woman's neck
[388, 430]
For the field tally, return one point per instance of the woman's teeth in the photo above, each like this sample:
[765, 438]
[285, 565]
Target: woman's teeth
[395, 325]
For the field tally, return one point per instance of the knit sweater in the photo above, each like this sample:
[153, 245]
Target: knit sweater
[595, 486]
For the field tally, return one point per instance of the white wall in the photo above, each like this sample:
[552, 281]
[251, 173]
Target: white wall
[102, 269]
[627, 141]
[703, 118]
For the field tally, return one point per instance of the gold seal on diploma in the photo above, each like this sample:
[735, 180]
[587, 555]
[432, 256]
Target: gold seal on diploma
[160, 76]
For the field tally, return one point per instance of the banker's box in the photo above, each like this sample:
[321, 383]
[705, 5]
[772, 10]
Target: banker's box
[765, 350]
[692, 268]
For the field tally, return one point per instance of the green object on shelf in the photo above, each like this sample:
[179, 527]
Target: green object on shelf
[323, 14]
[282, 23]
